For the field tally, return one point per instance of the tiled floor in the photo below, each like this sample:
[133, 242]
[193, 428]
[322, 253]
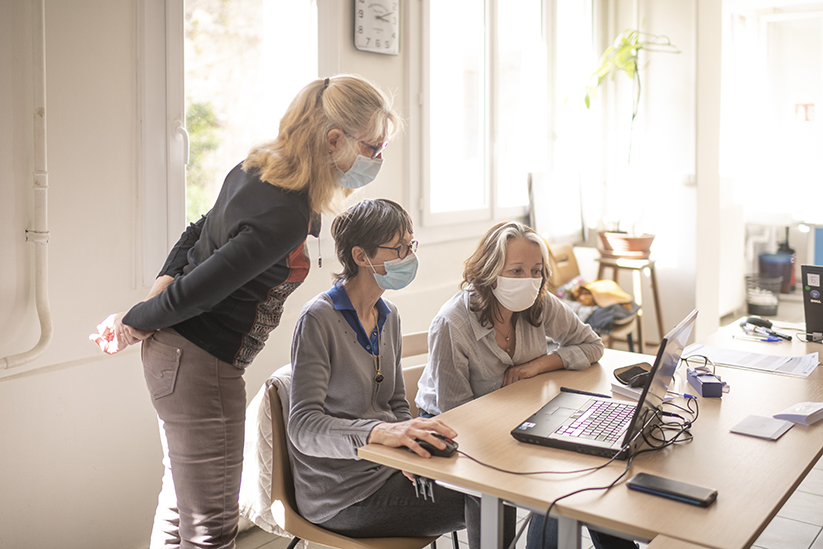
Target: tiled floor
[798, 525]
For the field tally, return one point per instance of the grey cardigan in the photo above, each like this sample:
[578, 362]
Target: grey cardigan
[335, 403]
[465, 362]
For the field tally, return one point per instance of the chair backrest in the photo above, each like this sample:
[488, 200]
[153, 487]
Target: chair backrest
[563, 264]
[414, 344]
[411, 376]
[284, 505]
[282, 481]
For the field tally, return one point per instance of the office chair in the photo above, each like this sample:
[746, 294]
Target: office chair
[564, 268]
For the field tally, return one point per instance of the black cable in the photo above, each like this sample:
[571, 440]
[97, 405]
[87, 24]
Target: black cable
[663, 427]
[681, 429]
[589, 469]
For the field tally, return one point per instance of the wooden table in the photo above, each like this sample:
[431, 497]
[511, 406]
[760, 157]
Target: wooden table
[753, 477]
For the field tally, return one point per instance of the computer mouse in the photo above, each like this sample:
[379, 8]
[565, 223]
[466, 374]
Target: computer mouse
[759, 321]
[448, 451]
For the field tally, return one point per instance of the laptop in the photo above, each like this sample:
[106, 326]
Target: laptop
[812, 278]
[602, 426]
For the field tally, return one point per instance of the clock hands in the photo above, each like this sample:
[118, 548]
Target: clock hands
[382, 17]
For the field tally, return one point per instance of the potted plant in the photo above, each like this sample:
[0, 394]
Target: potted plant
[623, 57]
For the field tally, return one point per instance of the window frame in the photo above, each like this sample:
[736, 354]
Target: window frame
[465, 223]
[163, 140]
[161, 180]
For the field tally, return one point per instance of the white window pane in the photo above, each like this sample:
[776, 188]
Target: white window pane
[576, 157]
[245, 61]
[522, 111]
[457, 101]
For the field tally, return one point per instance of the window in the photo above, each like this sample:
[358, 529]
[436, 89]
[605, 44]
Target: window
[485, 107]
[213, 83]
[575, 171]
[770, 133]
[238, 82]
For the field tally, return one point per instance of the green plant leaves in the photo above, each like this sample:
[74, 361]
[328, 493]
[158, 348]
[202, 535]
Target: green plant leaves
[622, 56]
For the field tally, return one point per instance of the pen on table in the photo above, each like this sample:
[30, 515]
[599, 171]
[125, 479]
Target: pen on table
[770, 339]
[765, 332]
[579, 392]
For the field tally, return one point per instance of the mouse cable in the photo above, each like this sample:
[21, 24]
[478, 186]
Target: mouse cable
[490, 466]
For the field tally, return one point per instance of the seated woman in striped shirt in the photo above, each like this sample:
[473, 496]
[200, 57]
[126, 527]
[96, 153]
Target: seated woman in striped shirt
[493, 333]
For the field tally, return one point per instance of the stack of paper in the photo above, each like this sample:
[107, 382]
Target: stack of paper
[632, 392]
[804, 413]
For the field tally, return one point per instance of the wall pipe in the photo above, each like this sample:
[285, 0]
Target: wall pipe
[39, 236]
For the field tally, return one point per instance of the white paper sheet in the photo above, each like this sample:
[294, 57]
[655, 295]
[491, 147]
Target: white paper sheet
[762, 427]
[795, 365]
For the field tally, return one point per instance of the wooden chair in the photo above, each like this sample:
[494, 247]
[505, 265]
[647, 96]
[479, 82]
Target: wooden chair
[414, 344]
[284, 505]
[564, 268]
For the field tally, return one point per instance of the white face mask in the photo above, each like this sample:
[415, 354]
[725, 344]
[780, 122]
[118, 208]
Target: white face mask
[517, 294]
[361, 173]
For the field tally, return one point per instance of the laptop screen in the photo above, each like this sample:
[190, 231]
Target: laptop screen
[662, 372]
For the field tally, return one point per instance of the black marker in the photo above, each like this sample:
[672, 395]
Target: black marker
[579, 392]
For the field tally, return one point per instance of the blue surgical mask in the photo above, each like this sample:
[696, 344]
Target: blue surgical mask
[399, 272]
[361, 173]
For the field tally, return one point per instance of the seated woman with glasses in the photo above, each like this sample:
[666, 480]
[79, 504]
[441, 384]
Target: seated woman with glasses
[347, 390]
[493, 333]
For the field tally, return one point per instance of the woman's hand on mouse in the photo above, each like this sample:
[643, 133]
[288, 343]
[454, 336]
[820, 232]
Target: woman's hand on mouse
[406, 433]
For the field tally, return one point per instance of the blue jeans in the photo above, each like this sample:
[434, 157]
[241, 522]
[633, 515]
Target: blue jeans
[600, 540]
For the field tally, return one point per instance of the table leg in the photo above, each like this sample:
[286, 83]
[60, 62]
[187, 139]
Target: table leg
[637, 288]
[491, 522]
[568, 533]
[653, 280]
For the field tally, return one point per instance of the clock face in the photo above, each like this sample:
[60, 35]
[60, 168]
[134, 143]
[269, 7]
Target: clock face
[377, 26]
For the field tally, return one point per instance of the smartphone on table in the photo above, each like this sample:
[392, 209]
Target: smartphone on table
[672, 489]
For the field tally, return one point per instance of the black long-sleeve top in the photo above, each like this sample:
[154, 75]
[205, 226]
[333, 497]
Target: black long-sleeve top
[234, 269]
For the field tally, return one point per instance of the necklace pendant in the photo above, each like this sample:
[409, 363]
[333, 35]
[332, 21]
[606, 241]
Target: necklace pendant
[378, 378]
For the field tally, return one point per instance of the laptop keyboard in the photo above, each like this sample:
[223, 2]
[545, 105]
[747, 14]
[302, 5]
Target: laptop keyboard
[602, 421]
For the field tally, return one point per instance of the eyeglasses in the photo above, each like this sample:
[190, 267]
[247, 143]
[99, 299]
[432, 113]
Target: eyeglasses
[403, 249]
[375, 150]
[700, 364]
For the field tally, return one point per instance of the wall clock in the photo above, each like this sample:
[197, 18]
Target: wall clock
[377, 26]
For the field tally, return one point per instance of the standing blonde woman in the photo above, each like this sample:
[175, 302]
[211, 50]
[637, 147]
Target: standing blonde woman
[222, 289]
